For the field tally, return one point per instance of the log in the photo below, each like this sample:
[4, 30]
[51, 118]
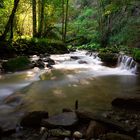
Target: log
[110, 124]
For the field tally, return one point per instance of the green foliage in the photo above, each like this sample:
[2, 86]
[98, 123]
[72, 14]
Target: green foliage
[109, 50]
[83, 24]
[37, 46]
[136, 55]
[91, 46]
[16, 64]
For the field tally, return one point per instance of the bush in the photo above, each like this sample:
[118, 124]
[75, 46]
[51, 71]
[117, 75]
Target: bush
[17, 64]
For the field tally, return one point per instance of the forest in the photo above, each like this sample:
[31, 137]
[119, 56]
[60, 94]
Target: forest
[31, 26]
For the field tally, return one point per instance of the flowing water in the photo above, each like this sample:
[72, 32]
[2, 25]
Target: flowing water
[75, 76]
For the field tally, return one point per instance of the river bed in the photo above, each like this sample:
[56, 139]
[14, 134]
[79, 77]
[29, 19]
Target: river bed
[75, 76]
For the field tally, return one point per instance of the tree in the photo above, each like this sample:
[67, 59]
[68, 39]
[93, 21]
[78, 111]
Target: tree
[41, 17]
[9, 25]
[65, 9]
[34, 17]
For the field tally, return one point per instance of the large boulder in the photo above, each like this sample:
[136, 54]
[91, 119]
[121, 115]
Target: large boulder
[66, 119]
[33, 119]
[95, 130]
[108, 58]
[127, 102]
[17, 64]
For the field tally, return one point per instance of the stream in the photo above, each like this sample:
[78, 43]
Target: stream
[75, 76]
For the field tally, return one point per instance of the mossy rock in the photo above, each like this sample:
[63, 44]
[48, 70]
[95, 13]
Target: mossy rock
[16, 64]
[109, 59]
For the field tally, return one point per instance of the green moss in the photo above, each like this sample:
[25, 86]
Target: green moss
[17, 64]
[108, 57]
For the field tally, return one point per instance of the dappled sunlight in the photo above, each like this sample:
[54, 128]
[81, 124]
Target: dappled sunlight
[58, 93]
[84, 82]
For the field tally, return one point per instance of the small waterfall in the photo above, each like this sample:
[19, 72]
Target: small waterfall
[128, 63]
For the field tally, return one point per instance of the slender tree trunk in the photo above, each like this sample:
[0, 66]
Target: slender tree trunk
[63, 19]
[34, 17]
[10, 21]
[66, 21]
[41, 18]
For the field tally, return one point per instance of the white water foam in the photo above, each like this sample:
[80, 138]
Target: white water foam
[90, 64]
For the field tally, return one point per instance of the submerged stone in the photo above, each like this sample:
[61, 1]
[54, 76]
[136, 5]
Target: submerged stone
[127, 102]
[66, 119]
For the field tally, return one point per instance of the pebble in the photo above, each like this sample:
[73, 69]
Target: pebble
[77, 134]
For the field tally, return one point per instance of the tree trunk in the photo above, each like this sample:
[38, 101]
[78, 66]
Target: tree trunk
[63, 19]
[34, 17]
[10, 21]
[66, 20]
[41, 18]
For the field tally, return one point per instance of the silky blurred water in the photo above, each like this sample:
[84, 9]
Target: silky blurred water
[84, 79]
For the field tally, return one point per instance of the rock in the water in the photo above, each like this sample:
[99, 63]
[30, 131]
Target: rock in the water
[75, 57]
[66, 119]
[77, 135]
[95, 130]
[127, 102]
[82, 62]
[39, 63]
[50, 61]
[116, 136]
[33, 119]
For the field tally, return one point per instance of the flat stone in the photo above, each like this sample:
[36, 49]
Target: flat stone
[116, 136]
[66, 119]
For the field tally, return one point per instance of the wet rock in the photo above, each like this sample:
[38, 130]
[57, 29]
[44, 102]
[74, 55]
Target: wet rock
[95, 130]
[110, 124]
[67, 119]
[116, 136]
[77, 135]
[82, 62]
[39, 63]
[50, 61]
[33, 119]
[75, 57]
[59, 133]
[127, 103]
[109, 59]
